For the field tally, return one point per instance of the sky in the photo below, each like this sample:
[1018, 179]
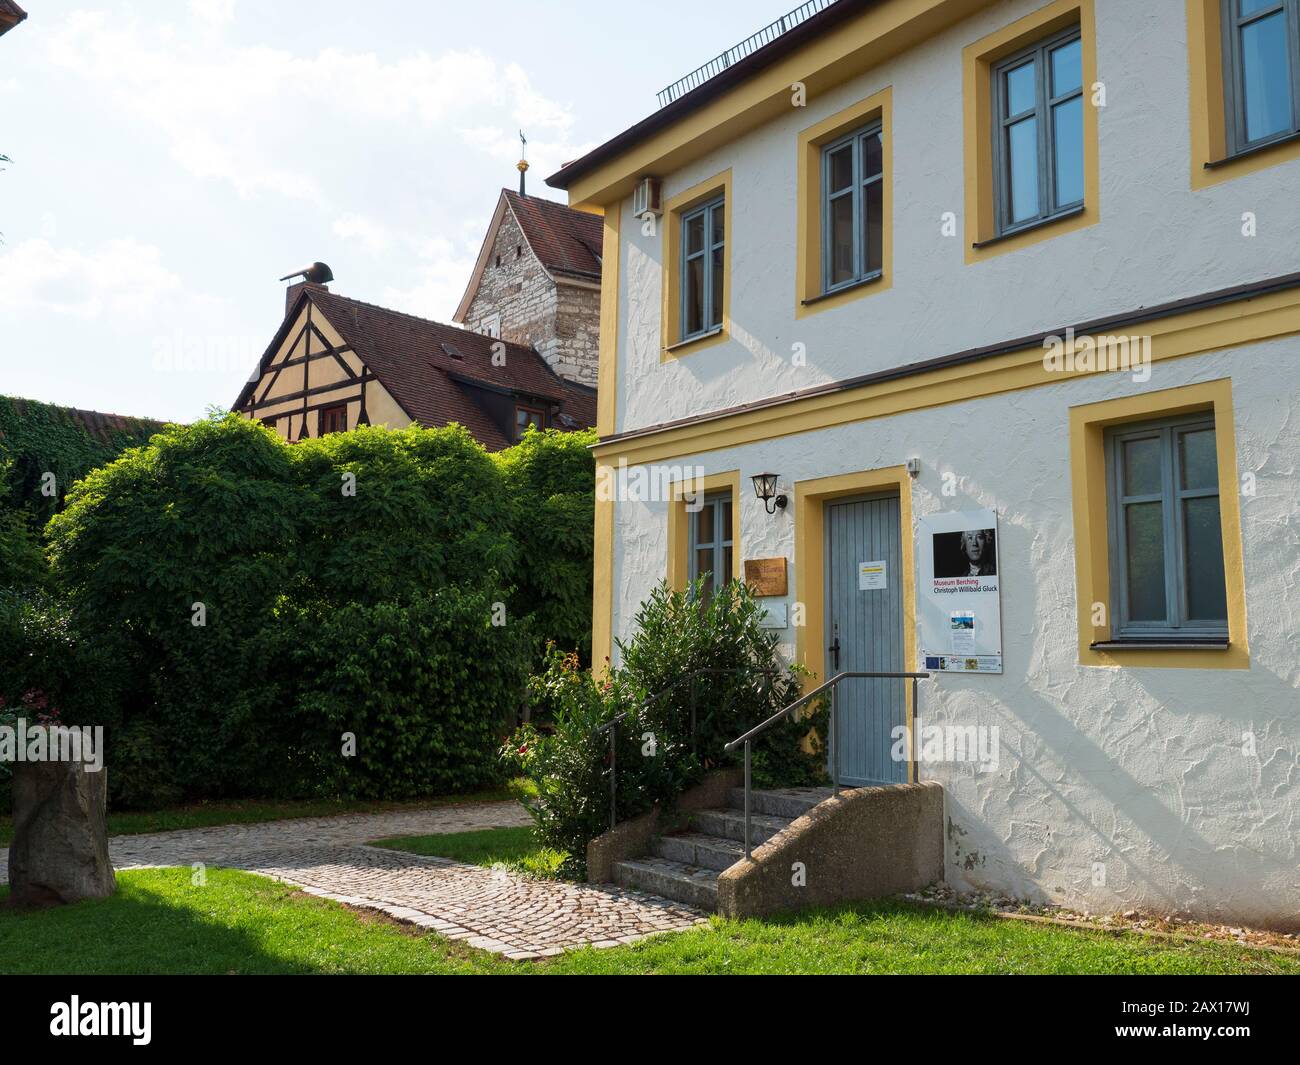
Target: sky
[171, 159]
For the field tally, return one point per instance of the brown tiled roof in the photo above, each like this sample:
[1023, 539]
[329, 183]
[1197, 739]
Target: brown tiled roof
[10, 15]
[564, 240]
[433, 370]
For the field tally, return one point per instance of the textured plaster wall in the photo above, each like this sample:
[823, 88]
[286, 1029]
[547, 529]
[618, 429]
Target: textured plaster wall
[1156, 241]
[1139, 770]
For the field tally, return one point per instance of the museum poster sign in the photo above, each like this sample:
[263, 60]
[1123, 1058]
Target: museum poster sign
[960, 604]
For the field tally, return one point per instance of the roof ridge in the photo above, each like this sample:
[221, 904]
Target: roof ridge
[415, 317]
[84, 410]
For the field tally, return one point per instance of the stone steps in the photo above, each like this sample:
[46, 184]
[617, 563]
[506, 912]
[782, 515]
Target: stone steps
[706, 852]
[673, 880]
[730, 824]
[779, 802]
[685, 867]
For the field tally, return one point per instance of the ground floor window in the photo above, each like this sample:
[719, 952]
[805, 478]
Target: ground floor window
[711, 541]
[1166, 540]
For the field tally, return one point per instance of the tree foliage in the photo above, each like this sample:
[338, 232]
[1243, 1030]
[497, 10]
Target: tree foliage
[550, 478]
[243, 604]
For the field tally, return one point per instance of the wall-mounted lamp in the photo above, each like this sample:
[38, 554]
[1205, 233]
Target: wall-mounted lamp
[914, 467]
[765, 489]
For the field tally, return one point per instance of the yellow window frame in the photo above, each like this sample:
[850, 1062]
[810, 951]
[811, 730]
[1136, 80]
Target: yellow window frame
[978, 61]
[671, 344]
[809, 295]
[1088, 425]
[679, 524]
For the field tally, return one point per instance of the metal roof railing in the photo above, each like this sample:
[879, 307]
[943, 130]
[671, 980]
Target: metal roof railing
[748, 46]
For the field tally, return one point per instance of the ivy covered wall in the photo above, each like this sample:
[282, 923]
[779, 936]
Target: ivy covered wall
[44, 449]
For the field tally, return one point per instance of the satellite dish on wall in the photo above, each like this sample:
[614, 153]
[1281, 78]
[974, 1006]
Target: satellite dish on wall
[317, 274]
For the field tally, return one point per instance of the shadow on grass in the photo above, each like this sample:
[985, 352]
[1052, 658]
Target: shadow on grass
[160, 922]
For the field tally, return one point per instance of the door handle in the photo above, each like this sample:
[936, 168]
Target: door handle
[834, 649]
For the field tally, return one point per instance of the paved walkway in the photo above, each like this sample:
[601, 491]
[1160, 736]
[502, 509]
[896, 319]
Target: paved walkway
[491, 909]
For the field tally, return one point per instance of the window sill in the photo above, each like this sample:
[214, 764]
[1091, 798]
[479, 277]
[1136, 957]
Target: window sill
[1042, 223]
[1257, 149]
[853, 286]
[1163, 644]
[682, 345]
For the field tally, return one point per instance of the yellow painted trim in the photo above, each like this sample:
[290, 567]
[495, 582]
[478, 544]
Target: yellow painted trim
[860, 44]
[671, 345]
[607, 366]
[1208, 104]
[808, 200]
[977, 65]
[1091, 534]
[810, 499]
[1229, 325]
[602, 583]
[679, 563]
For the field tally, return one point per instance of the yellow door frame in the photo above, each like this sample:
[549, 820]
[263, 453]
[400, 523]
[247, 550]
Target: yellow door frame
[810, 499]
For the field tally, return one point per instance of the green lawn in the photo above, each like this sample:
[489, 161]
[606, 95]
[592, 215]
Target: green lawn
[249, 811]
[515, 848]
[239, 923]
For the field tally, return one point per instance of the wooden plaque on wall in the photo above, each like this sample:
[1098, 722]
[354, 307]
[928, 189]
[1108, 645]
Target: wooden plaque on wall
[766, 576]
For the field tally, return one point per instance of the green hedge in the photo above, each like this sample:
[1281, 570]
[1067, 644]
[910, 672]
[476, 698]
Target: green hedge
[234, 605]
[551, 479]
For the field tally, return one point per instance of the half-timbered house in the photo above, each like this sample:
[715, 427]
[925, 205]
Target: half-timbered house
[337, 363]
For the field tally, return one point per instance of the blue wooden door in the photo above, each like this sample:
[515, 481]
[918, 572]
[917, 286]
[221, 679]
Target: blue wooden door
[865, 634]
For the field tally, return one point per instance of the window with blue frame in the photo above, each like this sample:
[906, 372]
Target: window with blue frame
[711, 542]
[1261, 50]
[704, 232]
[1038, 133]
[853, 208]
[1166, 539]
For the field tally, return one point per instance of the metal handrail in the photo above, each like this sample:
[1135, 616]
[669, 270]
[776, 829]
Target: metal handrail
[832, 686]
[611, 726]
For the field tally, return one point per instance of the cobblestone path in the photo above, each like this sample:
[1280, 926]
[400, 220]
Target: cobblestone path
[491, 909]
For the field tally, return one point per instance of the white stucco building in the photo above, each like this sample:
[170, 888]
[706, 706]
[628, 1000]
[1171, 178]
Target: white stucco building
[871, 231]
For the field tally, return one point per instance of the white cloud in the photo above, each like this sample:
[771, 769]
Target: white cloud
[267, 120]
[215, 12]
[123, 278]
[371, 234]
[437, 288]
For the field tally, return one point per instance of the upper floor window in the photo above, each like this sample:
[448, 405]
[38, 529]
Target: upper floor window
[703, 241]
[1038, 132]
[334, 420]
[526, 416]
[1261, 51]
[1168, 577]
[492, 326]
[711, 542]
[853, 208]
